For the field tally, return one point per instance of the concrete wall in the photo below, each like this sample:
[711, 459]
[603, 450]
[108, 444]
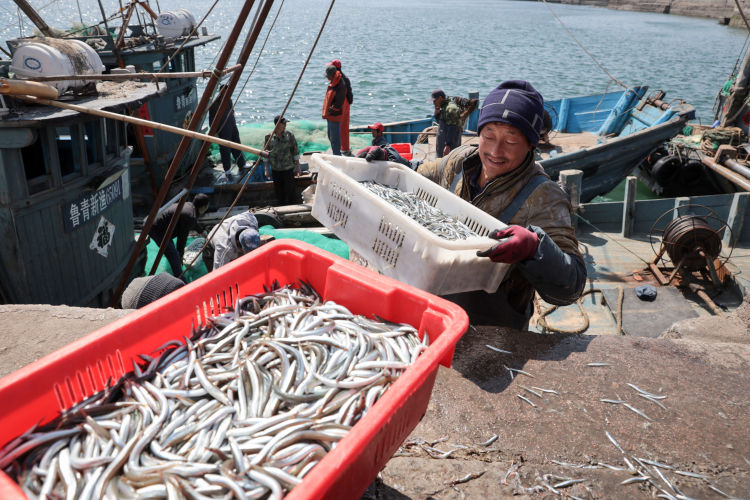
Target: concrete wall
[716, 9]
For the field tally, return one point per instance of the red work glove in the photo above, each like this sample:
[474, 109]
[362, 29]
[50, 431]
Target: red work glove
[520, 245]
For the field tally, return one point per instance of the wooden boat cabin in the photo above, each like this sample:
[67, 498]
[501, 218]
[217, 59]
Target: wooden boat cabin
[142, 49]
[66, 214]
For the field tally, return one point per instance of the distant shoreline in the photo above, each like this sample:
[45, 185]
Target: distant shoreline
[724, 11]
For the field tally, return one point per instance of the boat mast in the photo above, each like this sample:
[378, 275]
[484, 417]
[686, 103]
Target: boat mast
[182, 147]
[736, 100]
[35, 17]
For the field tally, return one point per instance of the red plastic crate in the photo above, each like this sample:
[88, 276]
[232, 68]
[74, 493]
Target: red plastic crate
[403, 148]
[37, 392]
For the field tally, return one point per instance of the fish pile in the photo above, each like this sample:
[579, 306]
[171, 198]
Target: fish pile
[433, 219]
[246, 407]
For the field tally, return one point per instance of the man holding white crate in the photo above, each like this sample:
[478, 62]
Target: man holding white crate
[501, 177]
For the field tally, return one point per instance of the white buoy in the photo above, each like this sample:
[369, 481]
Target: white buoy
[175, 23]
[56, 57]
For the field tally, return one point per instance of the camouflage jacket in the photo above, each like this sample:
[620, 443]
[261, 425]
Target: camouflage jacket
[283, 151]
[449, 113]
[557, 272]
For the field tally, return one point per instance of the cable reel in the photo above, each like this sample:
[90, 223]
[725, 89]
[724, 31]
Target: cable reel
[692, 239]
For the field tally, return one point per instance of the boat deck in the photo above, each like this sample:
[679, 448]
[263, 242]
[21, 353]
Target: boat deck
[110, 95]
[616, 265]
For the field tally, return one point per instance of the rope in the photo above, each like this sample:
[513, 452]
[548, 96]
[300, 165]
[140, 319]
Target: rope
[586, 322]
[252, 70]
[742, 13]
[611, 77]
[610, 239]
[286, 106]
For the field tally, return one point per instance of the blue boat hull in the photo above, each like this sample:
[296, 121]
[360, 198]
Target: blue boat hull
[628, 126]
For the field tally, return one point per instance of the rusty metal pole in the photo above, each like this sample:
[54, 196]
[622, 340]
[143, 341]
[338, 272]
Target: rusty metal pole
[195, 121]
[247, 48]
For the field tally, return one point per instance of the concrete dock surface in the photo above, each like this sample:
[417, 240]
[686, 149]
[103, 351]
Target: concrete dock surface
[549, 440]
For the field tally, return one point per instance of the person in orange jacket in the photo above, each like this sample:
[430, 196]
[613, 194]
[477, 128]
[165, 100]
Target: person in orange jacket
[345, 149]
[333, 106]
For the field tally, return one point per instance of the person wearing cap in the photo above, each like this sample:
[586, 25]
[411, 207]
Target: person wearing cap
[378, 139]
[333, 106]
[448, 117]
[144, 290]
[234, 237]
[344, 129]
[501, 177]
[283, 160]
[186, 222]
[228, 131]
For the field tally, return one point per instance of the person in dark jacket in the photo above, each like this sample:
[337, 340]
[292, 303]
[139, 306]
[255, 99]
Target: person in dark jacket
[377, 129]
[188, 220]
[333, 106]
[283, 161]
[448, 117]
[345, 149]
[501, 177]
[382, 153]
[227, 130]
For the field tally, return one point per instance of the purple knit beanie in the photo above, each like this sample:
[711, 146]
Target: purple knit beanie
[517, 103]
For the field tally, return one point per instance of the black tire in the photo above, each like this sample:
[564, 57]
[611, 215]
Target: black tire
[691, 172]
[265, 219]
[665, 169]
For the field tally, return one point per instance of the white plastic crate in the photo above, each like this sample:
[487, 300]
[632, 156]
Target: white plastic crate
[394, 243]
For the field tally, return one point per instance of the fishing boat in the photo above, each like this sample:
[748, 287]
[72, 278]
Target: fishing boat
[604, 135]
[706, 160]
[161, 42]
[65, 201]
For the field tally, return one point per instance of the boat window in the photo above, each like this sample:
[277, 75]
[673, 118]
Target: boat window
[92, 138]
[189, 60]
[36, 167]
[114, 137]
[177, 64]
[68, 149]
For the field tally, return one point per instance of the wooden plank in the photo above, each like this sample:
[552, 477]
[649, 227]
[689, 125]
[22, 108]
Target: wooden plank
[572, 181]
[628, 206]
[736, 220]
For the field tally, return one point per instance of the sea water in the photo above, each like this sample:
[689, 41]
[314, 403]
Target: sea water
[396, 52]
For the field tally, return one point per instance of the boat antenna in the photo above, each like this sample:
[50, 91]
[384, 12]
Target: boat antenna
[611, 77]
[80, 16]
[183, 145]
[265, 146]
[116, 50]
[35, 17]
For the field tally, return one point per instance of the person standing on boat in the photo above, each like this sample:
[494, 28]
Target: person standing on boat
[345, 149]
[188, 220]
[378, 137]
[333, 106]
[283, 160]
[227, 130]
[448, 117]
[234, 237]
[501, 177]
